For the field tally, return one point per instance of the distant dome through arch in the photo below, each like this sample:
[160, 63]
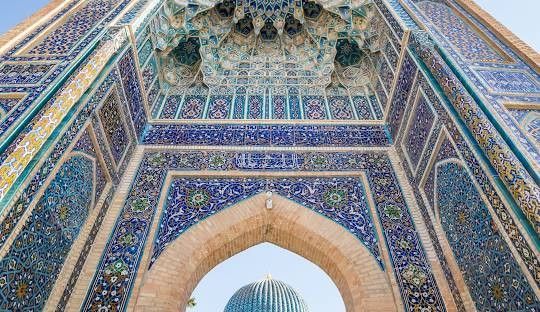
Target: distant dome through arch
[266, 295]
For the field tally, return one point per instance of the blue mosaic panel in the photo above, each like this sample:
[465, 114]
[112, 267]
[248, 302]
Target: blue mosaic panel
[7, 104]
[23, 73]
[314, 107]
[63, 38]
[495, 280]
[340, 107]
[121, 258]
[266, 135]
[445, 151]
[376, 107]
[114, 127]
[219, 106]
[391, 55]
[463, 37]
[132, 90]
[169, 107]
[255, 104]
[239, 103]
[505, 81]
[192, 106]
[401, 94]
[420, 125]
[381, 94]
[295, 109]
[149, 73]
[30, 267]
[361, 104]
[279, 106]
[386, 75]
[153, 93]
[86, 145]
[191, 200]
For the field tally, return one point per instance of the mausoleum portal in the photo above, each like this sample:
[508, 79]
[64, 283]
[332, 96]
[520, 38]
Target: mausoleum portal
[393, 143]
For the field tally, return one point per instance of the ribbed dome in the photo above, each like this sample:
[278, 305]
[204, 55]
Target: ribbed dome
[268, 295]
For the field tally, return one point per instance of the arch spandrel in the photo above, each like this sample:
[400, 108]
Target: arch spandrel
[362, 283]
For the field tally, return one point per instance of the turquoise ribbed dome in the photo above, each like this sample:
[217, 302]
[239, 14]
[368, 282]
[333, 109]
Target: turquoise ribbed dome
[268, 295]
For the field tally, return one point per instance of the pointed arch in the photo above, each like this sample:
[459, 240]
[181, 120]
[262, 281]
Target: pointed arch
[362, 283]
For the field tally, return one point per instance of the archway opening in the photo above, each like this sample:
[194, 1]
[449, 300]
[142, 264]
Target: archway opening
[255, 263]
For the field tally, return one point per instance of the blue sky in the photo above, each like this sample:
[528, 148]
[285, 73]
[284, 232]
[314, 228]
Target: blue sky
[213, 292]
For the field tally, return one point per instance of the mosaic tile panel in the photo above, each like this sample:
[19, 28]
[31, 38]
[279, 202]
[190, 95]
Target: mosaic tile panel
[132, 90]
[314, 107]
[279, 107]
[340, 107]
[255, 106]
[401, 94]
[219, 106]
[463, 37]
[62, 39]
[420, 125]
[504, 81]
[149, 73]
[145, 52]
[192, 106]
[7, 104]
[114, 126]
[170, 106]
[340, 199]
[266, 135]
[30, 267]
[120, 263]
[376, 107]
[86, 145]
[362, 107]
[445, 151]
[495, 280]
[23, 74]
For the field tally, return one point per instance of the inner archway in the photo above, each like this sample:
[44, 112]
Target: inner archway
[363, 284]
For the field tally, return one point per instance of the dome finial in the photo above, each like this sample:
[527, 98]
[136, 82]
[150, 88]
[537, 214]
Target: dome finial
[268, 276]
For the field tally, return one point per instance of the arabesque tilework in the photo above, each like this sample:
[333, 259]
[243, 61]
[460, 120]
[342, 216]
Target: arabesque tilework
[494, 278]
[31, 265]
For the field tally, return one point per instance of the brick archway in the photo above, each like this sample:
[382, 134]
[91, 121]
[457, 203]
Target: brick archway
[363, 285]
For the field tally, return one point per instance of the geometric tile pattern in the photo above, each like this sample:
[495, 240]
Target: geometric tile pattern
[421, 123]
[114, 126]
[459, 33]
[29, 269]
[509, 81]
[23, 74]
[495, 280]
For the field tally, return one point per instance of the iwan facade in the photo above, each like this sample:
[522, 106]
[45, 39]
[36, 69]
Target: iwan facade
[394, 143]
